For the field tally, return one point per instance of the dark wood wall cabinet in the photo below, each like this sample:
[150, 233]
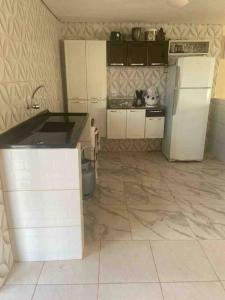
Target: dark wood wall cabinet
[135, 54]
[117, 54]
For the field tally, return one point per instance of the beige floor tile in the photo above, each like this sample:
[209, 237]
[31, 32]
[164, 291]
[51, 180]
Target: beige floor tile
[25, 273]
[159, 222]
[66, 292]
[181, 261]
[127, 261]
[215, 250]
[223, 283]
[73, 271]
[138, 291]
[109, 192]
[106, 223]
[207, 220]
[17, 292]
[193, 291]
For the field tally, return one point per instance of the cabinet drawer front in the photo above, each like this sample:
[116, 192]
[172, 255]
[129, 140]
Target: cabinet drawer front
[154, 128]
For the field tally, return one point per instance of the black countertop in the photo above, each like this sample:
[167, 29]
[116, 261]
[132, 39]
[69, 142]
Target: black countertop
[46, 130]
[129, 104]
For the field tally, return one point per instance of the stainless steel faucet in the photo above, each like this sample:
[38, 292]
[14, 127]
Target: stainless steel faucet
[35, 106]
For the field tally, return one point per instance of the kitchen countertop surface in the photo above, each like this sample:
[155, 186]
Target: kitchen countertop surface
[46, 130]
[128, 104]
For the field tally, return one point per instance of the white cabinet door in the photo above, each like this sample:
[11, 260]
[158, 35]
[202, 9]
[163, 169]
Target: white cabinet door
[97, 110]
[154, 128]
[75, 63]
[77, 106]
[116, 123]
[80, 106]
[96, 69]
[135, 123]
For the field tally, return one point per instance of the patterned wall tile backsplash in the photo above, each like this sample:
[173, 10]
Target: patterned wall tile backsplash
[29, 56]
[123, 81]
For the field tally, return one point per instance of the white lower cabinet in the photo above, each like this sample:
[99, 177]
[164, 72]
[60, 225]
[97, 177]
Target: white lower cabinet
[97, 110]
[135, 124]
[154, 127]
[116, 123]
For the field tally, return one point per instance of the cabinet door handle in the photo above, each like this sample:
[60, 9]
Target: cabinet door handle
[77, 102]
[157, 64]
[94, 101]
[77, 98]
[117, 64]
[134, 64]
[133, 111]
[113, 110]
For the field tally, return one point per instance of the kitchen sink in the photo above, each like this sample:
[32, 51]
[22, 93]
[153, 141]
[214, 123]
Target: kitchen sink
[57, 127]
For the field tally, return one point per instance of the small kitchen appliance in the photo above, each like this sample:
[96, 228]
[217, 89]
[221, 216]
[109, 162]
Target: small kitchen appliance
[115, 36]
[151, 97]
[139, 101]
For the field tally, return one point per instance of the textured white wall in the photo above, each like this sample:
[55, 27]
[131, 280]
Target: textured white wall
[29, 56]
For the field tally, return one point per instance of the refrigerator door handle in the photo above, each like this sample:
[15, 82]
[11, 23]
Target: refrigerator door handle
[175, 101]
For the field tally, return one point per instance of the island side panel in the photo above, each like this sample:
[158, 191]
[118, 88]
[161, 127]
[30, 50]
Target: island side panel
[43, 196]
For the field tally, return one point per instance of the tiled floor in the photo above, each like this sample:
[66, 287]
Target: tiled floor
[154, 230]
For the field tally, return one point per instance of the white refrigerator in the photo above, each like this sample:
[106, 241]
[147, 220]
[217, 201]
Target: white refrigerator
[188, 94]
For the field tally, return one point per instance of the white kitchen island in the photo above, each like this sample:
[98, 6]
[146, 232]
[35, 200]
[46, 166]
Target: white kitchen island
[43, 199]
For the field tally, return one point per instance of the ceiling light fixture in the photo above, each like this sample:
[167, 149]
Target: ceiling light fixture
[178, 3]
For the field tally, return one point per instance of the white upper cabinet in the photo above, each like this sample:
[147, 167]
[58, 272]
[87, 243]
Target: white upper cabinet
[76, 71]
[96, 69]
[135, 123]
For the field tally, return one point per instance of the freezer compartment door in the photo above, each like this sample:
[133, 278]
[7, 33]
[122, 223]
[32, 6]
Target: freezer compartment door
[189, 124]
[195, 72]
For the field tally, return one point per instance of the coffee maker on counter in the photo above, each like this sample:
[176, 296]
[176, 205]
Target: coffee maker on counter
[139, 101]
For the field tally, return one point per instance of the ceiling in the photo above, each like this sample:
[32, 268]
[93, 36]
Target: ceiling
[151, 11]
